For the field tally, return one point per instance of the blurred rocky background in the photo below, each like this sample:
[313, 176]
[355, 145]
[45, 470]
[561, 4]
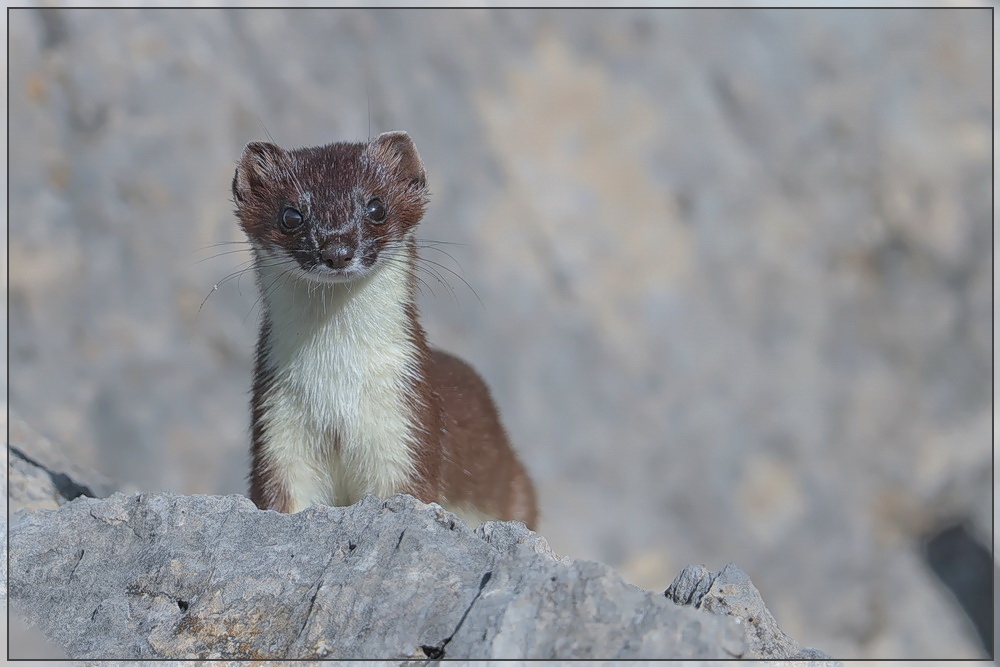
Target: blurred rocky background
[734, 269]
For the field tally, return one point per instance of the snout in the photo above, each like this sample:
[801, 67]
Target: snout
[338, 253]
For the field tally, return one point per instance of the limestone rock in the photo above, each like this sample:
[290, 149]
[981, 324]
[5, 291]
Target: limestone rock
[730, 592]
[41, 472]
[163, 576]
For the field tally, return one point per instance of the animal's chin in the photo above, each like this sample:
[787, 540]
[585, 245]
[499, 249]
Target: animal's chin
[326, 276]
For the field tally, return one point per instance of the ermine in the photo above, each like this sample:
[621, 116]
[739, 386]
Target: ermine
[348, 398]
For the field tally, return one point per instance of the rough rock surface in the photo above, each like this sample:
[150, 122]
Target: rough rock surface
[193, 587]
[730, 592]
[41, 473]
[165, 576]
[735, 267]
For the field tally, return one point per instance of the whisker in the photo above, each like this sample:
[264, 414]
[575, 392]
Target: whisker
[430, 242]
[449, 256]
[243, 268]
[424, 284]
[454, 273]
[277, 262]
[424, 264]
[267, 289]
[215, 287]
[450, 289]
[221, 243]
[221, 254]
[438, 277]
[399, 260]
[434, 245]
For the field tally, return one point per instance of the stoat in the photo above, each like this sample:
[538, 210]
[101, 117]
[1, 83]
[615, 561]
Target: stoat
[348, 398]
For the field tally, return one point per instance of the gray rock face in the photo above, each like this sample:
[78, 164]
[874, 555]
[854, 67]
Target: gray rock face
[164, 576]
[41, 474]
[730, 592]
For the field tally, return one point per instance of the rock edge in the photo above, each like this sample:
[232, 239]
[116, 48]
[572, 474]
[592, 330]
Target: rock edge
[154, 576]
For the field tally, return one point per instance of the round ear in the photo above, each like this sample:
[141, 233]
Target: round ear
[261, 162]
[398, 146]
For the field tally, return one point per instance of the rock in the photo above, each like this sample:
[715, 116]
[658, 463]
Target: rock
[730, 592]
[161, 606]
[41, 472]
[156, 576]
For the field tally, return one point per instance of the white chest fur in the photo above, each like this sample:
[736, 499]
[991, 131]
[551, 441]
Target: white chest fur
[335, 420]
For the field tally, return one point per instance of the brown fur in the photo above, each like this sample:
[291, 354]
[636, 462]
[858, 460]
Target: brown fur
[463, 456]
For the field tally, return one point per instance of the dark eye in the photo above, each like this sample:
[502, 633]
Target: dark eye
[290, 219]
[375, 210]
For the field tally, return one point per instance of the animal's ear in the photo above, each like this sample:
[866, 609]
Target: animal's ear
[260, 162]
[399, 148]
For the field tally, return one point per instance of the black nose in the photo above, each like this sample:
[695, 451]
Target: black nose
[337, 255]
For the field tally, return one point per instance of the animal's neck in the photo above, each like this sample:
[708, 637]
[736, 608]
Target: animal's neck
[342, 361]
[342, 320]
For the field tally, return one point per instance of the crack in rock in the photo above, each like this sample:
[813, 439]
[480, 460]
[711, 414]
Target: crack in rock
[436, 652]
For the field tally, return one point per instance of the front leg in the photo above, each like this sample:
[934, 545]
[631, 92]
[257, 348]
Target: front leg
[285, 474]
[269, 490]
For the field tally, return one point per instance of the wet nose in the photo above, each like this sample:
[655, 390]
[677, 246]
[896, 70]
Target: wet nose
[337, 254]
